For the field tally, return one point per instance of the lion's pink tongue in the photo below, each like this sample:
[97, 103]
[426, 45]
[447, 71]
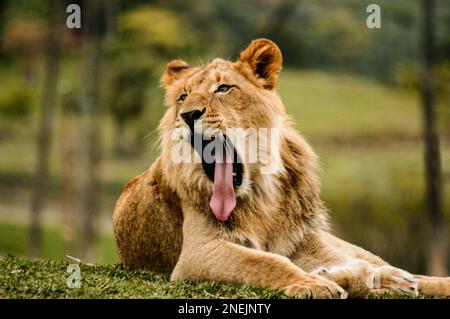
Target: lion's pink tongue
[223, 199]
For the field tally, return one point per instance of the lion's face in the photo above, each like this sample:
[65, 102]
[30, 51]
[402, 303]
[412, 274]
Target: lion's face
[211, 110]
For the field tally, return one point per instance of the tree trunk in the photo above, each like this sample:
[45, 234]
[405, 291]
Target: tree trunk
[90, 100]
[44, 135]
[2, 17]
[67, 175]
[436, 261]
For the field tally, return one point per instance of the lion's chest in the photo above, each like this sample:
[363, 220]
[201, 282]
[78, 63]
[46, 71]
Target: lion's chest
[277, 240]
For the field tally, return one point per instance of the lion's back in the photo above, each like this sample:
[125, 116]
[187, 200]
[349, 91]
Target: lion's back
[148, 223]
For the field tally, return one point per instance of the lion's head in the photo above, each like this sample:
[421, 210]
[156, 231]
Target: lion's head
[208, 102]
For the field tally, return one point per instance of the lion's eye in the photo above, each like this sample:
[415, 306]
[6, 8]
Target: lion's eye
[223, 88]
[182, 97]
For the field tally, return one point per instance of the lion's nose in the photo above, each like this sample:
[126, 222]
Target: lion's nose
[191, 116]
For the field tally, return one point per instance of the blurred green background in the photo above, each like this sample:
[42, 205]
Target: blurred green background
[353, 92]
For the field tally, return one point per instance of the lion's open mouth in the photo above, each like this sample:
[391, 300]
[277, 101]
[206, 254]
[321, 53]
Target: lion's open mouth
[224, 168]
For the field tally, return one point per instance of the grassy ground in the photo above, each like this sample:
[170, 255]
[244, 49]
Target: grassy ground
[24, 278]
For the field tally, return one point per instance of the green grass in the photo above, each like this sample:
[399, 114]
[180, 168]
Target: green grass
[342, 106]
[25, 278]
[34, 278]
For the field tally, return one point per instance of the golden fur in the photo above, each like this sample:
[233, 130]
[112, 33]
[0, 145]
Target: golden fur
[277, 236]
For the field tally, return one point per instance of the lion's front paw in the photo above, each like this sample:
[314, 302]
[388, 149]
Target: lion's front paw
[396, 280]
[317, 288]
[355, 277]
[438, 287]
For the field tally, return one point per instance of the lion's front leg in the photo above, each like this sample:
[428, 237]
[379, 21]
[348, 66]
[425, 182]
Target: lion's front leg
[205, 257]
[402, 282]
[359, 277]
[354, 275]
[391, 278]
[227, 262]
[353, 268]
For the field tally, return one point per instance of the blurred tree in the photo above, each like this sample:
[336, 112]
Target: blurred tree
[437, 240]
[158, 31]
[52, 55]
[66, 141]
[94, 31]
[146, 36]
[2, 21]
[408, 77]
[126, 100]
[16, 104]
[342, 37]
[25, 39]
[281, 24]
[278, 17]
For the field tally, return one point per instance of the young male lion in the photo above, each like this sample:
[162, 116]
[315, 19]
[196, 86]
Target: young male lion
[227, 220]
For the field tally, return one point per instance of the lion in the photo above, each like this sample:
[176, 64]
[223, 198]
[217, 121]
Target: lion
[226, 220]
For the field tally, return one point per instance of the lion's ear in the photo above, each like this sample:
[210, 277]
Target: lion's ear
[175, 70]
[265, 59]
